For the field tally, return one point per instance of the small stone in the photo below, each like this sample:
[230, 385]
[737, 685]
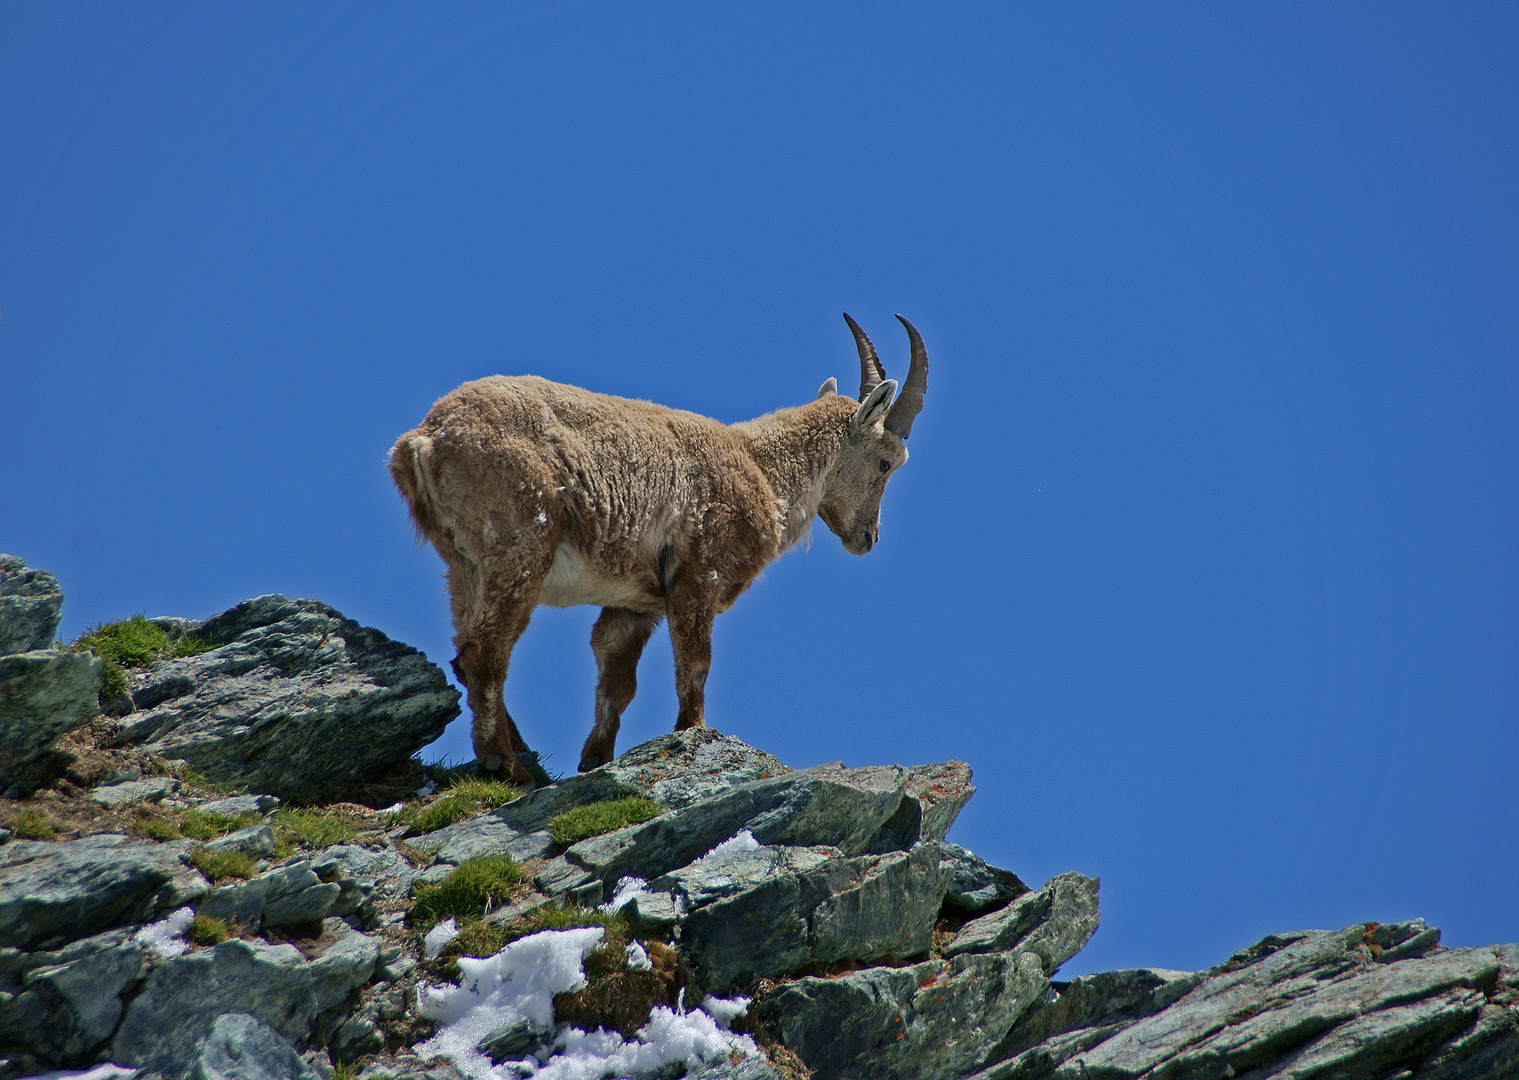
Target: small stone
[239, 805]
[512, 1039]
[153, 789]
[256, 840]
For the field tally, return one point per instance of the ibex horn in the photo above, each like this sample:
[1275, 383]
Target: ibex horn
[910, 399]
[872, 374]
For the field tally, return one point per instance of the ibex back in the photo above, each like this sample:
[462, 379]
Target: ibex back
[539, 493]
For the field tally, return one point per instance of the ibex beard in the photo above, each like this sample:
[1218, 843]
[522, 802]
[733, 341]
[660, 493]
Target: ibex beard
[534, 492]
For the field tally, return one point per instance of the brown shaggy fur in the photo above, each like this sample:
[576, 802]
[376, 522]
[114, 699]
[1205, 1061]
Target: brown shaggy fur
[539, 493]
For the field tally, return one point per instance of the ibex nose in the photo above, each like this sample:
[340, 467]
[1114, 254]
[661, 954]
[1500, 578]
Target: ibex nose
[868, 538]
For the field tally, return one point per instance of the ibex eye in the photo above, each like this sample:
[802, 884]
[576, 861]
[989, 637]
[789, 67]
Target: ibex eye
[885, 465]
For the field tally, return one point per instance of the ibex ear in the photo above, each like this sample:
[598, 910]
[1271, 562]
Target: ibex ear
[873, 409]
[828, 389]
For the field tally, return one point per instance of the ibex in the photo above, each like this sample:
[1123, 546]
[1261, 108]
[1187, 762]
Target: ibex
[539, 493]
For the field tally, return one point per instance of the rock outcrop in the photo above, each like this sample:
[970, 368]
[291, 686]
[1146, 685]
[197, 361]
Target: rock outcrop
[44, 692]
[31, 605]
[818, 916]
[292, 699]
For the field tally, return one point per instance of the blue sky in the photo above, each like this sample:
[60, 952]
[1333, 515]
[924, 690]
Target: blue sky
[1204, 559]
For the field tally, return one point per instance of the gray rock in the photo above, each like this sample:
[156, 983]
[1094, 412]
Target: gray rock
[61, 891]
[1354, 1003]
[240, 1047]
[748, 1067]
[410, 1067]
[356, 1036]
[1053, 923]
[975, 886]
[238, 805]
[182, 998]
[485, 834]
[1077, 1015]
[297, 894]
[295, 700]
[43, 695]
[718, 877]
[689, 766]
[931, 1021]
[256, 841]
[63, 1004]
[842, 808]
[866, 909]
[381, 868]
[512, 1039]
[241, 903]
[345, 960]
[300, 892]
[31, 605]
[153, 789]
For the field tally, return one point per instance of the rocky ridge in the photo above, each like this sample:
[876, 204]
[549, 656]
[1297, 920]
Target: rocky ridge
[866, 943]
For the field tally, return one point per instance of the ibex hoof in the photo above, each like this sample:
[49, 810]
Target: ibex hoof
[592, 761]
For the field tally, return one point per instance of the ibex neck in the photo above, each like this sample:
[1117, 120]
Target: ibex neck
[795, 449]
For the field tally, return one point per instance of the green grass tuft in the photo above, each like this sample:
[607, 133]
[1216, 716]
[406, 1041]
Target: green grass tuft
[34, 825]
[312, 828]
[463, 798]
[113, 680]
[220, 865]
[203, 826]
[131, 642]
[593, 819]
[157, 828]
[478, 885]
[208, 930]
[189, 645]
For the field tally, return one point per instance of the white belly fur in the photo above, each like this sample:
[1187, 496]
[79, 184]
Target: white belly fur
[573, 581]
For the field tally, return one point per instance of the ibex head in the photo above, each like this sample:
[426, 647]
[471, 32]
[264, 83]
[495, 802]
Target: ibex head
[852, 490]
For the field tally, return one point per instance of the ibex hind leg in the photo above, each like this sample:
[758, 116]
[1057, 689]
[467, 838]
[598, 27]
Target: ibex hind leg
[618, 640]
[507, 599]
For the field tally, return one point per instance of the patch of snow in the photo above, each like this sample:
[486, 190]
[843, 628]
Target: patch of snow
[438, 937]
[394, 809]
[627, 889]
[743, 840]
[103, 1071]
[518, 983]
[165, 937]
[693, 1038]
[427, 789]
[639, 960]
[725, 1010]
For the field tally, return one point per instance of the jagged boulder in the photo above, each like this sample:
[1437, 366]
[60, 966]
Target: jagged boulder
[1369, 1001]
[294, 700]
[183, 997]
[31, 605]
[56, 892]
[43, 695]
[63, 1003]
[864, 909]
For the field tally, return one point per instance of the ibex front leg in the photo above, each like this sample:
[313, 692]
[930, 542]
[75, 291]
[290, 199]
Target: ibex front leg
[691, 635]
[617, 640]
